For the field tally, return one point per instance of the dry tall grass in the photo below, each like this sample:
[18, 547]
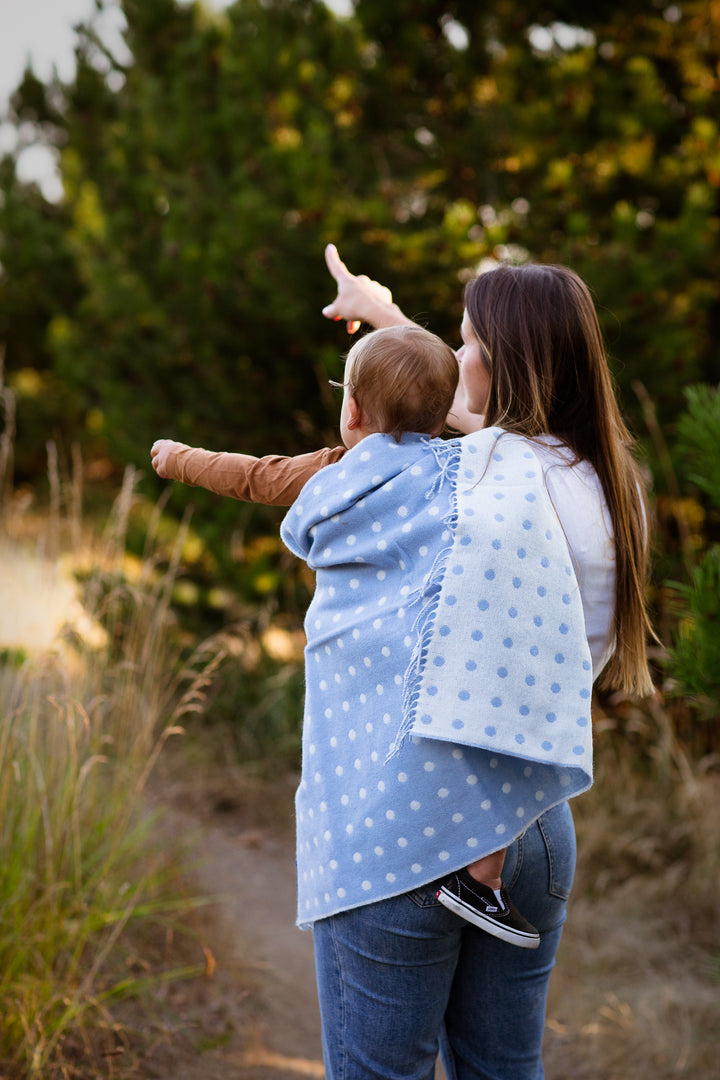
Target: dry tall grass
[637, 991]
[82, 726]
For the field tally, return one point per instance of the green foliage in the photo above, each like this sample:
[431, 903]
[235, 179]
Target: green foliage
[695, 656]
[38, 282]
[260, 707]
[204, 177]
[195, 193]
[698, 433]
[176, 289]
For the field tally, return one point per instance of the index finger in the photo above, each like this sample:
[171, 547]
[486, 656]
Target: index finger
[335, 265]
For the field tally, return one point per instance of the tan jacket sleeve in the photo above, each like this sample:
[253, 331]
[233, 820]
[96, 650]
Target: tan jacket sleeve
[272, 480]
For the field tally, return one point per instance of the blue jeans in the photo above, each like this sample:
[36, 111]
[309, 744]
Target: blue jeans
[402, 978]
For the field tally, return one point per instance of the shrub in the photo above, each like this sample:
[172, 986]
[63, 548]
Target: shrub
[694, 660]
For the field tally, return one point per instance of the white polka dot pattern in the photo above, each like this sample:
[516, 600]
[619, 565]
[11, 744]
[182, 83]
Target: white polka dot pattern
[371, 826]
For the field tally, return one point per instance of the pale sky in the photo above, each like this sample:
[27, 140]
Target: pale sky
[40, 30]
[43, 31]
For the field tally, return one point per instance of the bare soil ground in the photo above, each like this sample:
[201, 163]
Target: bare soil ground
[256, 1016]
[631, 997]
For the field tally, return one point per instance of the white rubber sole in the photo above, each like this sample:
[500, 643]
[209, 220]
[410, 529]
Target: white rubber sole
[512, 937]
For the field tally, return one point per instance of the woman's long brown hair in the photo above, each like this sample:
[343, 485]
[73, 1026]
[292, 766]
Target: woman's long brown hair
[539, 330]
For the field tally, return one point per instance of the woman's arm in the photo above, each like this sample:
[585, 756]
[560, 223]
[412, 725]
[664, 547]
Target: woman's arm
[272, 480]
[359, 299]
[460, 419]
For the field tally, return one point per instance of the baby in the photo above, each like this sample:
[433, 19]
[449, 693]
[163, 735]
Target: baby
[398, 380]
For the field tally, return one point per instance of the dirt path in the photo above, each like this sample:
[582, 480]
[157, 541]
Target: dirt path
[622, 1006]
[257, 1017]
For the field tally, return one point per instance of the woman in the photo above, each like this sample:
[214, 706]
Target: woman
[394, 974]
[533, 362]
[398, 973]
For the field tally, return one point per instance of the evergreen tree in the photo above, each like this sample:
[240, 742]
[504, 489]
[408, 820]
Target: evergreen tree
[204, 177]
[695, 656]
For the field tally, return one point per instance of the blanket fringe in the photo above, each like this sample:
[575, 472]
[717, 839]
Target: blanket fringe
[448, 458]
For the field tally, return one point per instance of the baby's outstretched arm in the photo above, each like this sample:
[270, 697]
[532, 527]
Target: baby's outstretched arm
[273, 480]
[160, 454]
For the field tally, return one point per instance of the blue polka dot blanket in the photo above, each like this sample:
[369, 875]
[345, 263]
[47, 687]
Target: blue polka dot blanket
[448, 677]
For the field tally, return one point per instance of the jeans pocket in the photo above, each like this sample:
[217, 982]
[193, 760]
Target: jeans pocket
[560, 847]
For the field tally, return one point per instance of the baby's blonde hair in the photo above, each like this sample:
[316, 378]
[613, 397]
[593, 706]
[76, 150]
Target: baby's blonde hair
[403, 379]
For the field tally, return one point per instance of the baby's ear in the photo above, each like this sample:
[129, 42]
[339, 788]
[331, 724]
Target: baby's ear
[355, 417]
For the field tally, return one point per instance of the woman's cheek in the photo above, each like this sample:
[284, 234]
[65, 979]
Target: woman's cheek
[468, 383]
